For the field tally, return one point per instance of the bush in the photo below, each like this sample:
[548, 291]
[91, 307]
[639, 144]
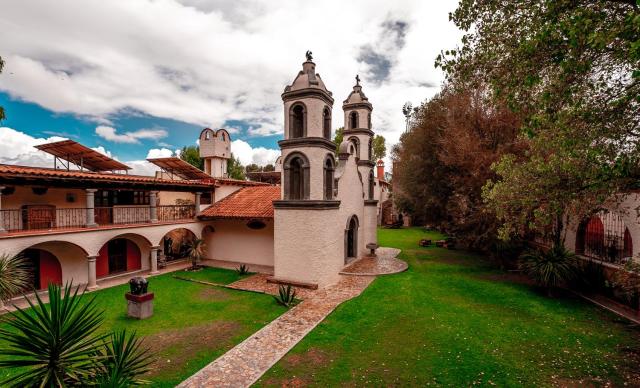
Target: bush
[590, 277]
[549, 269]
[286, 295]
[242, 270]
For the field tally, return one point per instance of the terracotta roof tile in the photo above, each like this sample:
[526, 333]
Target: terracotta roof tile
[248, 202]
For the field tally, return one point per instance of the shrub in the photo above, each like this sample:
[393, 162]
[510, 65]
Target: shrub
[590, 277]
[549, 269]
[15, 276]
[627, 282]
[242, 270]
[196, 250]
[286, 295]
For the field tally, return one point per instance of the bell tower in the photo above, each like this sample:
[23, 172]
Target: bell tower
[215, 150]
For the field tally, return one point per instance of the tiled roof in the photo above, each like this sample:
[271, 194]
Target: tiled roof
[10, 171]
[248, 202]
[13, 171]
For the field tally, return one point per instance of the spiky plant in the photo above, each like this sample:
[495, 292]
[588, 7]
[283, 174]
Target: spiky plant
[286, 295]
[196, 251]
[57, 342]
[242, 270]
[551, 268]
[15, 276]
[124, 360]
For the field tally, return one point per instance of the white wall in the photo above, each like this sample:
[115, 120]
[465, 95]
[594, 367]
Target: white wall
[234, 241]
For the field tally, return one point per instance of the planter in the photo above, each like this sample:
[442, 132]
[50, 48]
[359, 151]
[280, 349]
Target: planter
[139, 306]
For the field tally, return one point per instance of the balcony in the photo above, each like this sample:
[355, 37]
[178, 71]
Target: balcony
[49, 218]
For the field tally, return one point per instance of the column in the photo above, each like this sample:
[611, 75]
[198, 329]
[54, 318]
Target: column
[91, 213]
[91, 264]
[197, 202]
[2, 229]
[154, 259]
[153, 209]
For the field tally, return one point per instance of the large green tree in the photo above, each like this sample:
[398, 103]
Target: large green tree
[338, 138]
[379, 147]
[235, 170]
[191, 155]
[571, 70]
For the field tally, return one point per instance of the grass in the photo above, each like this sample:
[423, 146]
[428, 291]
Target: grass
[192, 323]
[212, 275]
[453, 320]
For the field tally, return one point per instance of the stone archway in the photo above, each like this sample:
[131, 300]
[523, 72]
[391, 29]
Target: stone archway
[45, 268]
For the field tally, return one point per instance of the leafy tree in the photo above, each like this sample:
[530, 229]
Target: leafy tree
[57, 344]
[338, 138]
[191, 155]
[2, 116]
[253, 168]
[269, 167]
[379, 147]
[15, 276]
[235, 169]
[571, 70]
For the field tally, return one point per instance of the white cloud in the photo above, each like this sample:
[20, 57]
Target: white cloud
[247, 154]
[109, 133]
[206, 62]
[18, 148]
[159, 153]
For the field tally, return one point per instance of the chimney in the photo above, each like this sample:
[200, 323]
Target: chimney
[380, 170]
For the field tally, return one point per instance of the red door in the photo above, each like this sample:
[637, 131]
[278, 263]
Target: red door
[50, 270]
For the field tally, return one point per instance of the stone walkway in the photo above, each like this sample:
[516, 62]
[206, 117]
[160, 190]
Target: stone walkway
[385, 263]
[248, 361]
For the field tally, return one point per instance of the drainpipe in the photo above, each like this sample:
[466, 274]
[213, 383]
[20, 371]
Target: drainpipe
[91, 212]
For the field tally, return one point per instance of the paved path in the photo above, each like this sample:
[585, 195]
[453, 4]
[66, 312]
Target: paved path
[248, 361]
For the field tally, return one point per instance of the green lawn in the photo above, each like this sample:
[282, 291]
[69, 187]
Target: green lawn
[192, 324]
[452, 320]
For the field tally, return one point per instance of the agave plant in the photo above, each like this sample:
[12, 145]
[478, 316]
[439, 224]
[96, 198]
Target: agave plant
[196, 251]
[551, 268]
[58, 344]
[15, 276]
[286, 295]
[242, 270]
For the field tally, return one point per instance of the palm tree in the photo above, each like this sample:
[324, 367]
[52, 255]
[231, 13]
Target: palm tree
[58, 344]
[15, 276]
[196, 250]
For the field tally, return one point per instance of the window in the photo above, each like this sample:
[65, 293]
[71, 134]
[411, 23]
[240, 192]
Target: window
[328, 178]
[353, 120]
[371, 184]
[370, 149]
[326, 124]
[355, 146]
[105, 198]
[297, 121]
[296, 177]
[369, 120]
[224, 137]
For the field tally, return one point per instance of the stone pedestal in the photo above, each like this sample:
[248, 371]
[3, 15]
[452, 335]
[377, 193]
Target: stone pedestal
[139, 306]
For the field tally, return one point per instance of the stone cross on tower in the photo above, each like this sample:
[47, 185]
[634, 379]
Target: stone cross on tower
[357, 80]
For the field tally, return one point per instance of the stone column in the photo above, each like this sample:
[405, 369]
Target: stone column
[153, 210]
[91, 264]
[154, 259]
[2, 229]
[91, 213]
[197, 202]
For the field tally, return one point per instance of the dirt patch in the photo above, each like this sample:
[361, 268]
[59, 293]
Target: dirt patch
[213, 293]
[313, 356]
[292, 382]
[188, 341]
[510, 277]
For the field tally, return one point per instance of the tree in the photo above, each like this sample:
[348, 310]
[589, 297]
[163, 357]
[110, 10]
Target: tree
[191, 155]
[197, 251]
[338, 138]
[379, 147]
[2, 116]
[58, 344]
[269, 167]
[253, 168]
[571, 70]
[15, 276]
[235, 170]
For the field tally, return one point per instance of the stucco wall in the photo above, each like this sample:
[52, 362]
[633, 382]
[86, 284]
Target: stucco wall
[224, 191]
[315, 107]
[171, 197]
[316, 157]
[232, 240]
[24, 195]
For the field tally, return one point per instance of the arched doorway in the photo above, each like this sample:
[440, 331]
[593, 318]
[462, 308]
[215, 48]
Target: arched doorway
[45, 268]
[118, 255]
[175, 244]
[351, 240]
[604, 236]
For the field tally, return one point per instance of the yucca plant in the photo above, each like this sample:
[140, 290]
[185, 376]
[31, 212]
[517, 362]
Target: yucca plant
[58, 345]
[242, 270]
[196, 251]
[286, 295]
[15, 276]
[124, 360]
[549, 269]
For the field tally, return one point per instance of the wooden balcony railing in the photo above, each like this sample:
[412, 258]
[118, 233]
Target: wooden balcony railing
[46, 217]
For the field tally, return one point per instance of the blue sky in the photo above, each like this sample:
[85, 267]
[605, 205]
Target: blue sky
[142, 77]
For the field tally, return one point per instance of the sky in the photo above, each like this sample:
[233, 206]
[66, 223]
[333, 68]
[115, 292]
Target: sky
[139, 78]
